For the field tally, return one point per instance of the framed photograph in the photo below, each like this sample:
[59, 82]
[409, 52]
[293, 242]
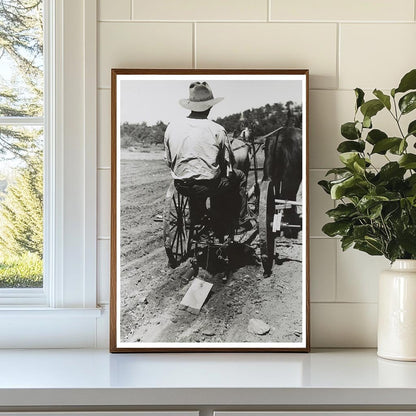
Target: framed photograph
[209, 210]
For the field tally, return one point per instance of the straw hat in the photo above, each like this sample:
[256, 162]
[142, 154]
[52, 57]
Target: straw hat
[200, 97]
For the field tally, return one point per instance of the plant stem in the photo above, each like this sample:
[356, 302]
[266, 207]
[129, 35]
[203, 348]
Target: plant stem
[397, 118]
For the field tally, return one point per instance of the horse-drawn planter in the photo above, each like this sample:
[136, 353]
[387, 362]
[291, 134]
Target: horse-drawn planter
[272, 211]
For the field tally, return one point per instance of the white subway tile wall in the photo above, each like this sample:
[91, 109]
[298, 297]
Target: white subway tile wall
[104, 202]
[104, 128]
[345, 44]
[200, 10]
[328, 110]
[375, 54]
[323, 269]
[352, 10]
[270, 45]
[103, 270]
[114, 10]
[357, 275]
[343, 325]
[142, 45]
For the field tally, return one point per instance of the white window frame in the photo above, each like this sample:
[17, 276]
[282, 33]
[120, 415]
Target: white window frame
[40, 296]
[64, 313]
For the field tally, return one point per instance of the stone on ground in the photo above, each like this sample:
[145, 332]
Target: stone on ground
[257, 326]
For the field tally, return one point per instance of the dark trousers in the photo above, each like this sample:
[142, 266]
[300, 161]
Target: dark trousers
[228, 196]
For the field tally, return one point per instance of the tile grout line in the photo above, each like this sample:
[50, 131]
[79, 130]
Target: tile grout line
[131, 9]
[338, 63]
[336, 271]
[352, 302]
[194, 62]
[269, 10]
[306, 22]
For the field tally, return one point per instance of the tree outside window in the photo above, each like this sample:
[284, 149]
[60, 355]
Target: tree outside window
[21, 143]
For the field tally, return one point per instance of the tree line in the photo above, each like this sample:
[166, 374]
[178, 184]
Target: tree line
[261, 120]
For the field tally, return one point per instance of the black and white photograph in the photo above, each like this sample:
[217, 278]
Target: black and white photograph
[209, 243]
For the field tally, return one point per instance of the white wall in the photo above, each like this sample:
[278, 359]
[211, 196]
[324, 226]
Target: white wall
[344, 43]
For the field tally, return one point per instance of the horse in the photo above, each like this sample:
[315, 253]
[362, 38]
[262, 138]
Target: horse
[241, 151]
[283, 167]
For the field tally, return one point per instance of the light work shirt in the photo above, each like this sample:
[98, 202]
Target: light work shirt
[197, 149]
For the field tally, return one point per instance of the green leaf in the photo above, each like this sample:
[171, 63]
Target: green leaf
[374, 242]
[349, 131]
[359, 95]
[342, 211]
[375, 136]
[367, 122]
[391, 170]
[348, 158]
[393, 92]
[371, 108]
[411, 180]
[336, 228]
[369, 201]
[385, 144]
[338, 171]
[393, 250]
[346, 242]
[408, 102]
[411, 130]
[408, 161]
[412, 199]
[359, 165]
[360, 231]
[339, 188]
[402, 147]
[385, 99]
[349, 146]
[325, 186]
[375, 211]
[407, 240]
[408, 82]
[399, 148]
[368, 248]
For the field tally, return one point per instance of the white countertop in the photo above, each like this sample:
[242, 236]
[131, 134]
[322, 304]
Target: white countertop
[96, 377]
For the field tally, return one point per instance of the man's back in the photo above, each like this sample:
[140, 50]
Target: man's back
[195, 148]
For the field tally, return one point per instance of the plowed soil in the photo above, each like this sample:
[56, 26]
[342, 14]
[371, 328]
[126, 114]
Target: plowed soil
[151, 291]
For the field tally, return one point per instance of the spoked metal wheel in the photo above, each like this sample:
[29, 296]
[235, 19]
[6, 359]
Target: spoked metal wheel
[176, 226]
[265, 224]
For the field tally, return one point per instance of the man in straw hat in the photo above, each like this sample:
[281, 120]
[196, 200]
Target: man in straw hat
[200, 157]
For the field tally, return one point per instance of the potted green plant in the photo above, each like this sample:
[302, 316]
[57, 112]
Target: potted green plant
[376, 206]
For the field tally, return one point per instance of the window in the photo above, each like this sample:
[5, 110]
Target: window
[63, 313]
[21, 143]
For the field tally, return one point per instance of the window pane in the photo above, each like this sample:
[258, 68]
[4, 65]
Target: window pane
[21, 207]
[21, 58]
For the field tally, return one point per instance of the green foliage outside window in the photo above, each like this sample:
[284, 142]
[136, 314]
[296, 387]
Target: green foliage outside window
[21, 147]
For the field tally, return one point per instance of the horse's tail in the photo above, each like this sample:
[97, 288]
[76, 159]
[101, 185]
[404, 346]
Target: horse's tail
[289, 160]
[270, 148]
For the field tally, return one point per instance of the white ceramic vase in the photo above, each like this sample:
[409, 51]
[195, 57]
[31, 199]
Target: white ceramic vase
[397, 312]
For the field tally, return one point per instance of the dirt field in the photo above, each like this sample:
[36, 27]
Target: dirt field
[151, 291]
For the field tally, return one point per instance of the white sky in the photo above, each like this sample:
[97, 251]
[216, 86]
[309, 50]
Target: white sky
[151, 100]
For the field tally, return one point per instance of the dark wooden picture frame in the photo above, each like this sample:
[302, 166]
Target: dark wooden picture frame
[178, 284]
